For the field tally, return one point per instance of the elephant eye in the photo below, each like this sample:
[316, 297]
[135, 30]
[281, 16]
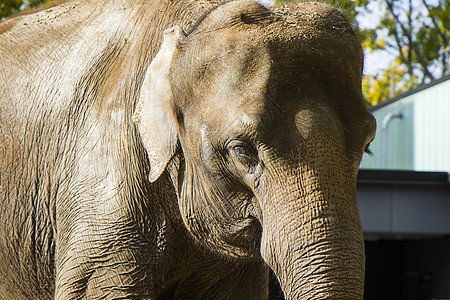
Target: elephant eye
[245, 154]
[368, 151]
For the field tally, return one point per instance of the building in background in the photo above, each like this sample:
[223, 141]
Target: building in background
[404, 196]
[413, 130]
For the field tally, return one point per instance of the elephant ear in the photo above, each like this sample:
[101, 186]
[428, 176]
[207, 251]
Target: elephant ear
[154, 114]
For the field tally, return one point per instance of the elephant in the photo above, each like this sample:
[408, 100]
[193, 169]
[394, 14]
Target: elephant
[180, 149]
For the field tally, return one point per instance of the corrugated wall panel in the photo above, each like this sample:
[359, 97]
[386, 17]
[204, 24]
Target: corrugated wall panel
[399, 138]
[421, 139]
[432, 128]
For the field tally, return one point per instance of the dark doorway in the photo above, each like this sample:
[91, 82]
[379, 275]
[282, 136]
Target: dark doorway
[401, 270]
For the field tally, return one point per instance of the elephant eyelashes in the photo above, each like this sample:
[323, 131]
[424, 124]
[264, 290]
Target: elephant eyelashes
[368, 151]
[245, 154]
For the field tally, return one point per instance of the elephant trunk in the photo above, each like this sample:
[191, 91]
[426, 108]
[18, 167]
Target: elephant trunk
[312, 238]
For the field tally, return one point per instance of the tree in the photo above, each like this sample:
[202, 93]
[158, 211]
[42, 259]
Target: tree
[416, 33]
[388, 83]
[10, 7]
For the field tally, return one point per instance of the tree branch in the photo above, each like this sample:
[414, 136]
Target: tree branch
[443, 34]
[412, 45]
[398, 41]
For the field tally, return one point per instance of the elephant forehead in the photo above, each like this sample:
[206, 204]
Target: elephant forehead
[243, 54]
[234, 50]
[230, 118]
[226, 72]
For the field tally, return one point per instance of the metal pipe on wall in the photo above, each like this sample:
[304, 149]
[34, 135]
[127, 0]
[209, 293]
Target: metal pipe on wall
[384, 130]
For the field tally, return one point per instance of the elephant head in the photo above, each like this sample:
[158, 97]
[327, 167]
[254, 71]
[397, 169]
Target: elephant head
[258, 115]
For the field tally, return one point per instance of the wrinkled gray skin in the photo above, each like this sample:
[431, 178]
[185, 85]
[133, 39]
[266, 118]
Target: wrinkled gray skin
[249, 124]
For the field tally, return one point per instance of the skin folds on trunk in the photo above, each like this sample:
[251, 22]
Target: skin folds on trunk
[312, 236]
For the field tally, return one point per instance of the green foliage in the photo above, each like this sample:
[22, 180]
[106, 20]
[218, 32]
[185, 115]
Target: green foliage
[10, 7]
[418, 32]
[389, 83]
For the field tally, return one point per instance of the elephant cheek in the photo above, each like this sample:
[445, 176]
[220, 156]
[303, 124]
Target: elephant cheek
[312, 239]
